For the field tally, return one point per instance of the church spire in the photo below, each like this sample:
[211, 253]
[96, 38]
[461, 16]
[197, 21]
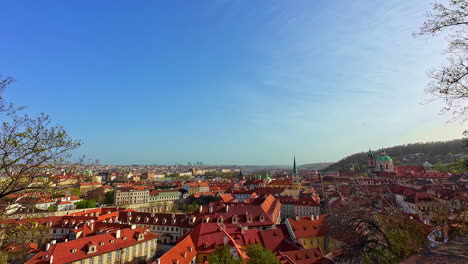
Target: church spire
[294, 171]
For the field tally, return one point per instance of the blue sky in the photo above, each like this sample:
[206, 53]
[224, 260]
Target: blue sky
[226, 82]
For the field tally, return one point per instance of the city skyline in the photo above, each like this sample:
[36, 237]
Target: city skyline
[226, 82]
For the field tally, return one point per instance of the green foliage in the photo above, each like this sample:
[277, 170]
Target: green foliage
[109, 197]
[433, 152]
[83, 204]
[57, 194]
[76, 192]
[459, 166]
[3, 257]
[261, 255]
[52, 208]
[188, 208]
[222, 255]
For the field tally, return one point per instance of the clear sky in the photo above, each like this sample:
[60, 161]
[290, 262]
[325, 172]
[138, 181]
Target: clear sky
[225, 82]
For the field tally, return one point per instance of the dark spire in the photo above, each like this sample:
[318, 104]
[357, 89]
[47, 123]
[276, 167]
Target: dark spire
[294, 171]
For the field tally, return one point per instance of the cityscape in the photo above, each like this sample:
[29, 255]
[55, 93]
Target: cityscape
[234, 132]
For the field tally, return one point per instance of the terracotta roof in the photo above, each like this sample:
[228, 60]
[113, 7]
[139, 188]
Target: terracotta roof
[305, 256]
[75, 250]
[306, 227]
[182, 253]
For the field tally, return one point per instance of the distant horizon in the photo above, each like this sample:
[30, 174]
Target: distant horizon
[277, 165]
[226, 81]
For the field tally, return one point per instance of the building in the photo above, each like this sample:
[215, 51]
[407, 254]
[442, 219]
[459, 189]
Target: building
[128, 195]
[164, 195]
[287, 206]
[307, 231]
[306, 207]
[114, 246]
[86, 187]
[381, 163]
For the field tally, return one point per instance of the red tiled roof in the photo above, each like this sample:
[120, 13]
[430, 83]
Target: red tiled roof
[305, 256]
[306, 227]
[75, 250]
[182, 253]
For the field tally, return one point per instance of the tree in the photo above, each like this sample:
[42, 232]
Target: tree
[450, 82]
[29, 146]
[261, 255]
[52, 208]
[371, 230]
[76, 192]
[83, 204]
[109, 197]
[222, 255]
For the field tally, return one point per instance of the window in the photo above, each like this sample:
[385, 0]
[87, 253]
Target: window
[109, 257]
[100, 259]
[91, 261]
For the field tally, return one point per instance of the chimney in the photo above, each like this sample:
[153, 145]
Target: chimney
[47, 247]
[133, 227]
[117, 234]
[53, 242]
[227, 208]
[201, 208]
[210, 208]
[225, 240]
[51, 259]
[297, 218]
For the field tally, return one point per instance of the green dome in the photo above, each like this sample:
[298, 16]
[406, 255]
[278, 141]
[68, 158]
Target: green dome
[383, 158]
[267, 178]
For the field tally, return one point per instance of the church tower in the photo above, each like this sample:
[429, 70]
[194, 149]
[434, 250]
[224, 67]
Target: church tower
[295, 176]
[370, 161]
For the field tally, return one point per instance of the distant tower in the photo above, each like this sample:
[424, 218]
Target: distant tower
[295, 176]
[241, 176]
[370, 161]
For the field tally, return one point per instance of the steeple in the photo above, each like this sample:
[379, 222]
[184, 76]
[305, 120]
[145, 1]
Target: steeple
[294, 171]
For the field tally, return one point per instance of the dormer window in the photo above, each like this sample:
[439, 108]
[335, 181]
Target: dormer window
[262, 218]
[164, 221]
[73, 251]
[234, 219]
[173, 221]
[146, 219]
[207, 220]
[249, 219]
[155, 220]
[138, 218]
[220, 219]
[91, 249]
[192, 219]
[140, 237]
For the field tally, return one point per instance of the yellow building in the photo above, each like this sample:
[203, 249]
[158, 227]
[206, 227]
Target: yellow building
[119, 246]
[309, 231]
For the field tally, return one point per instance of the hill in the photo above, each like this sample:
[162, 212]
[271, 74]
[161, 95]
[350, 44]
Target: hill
[410, 154]
[314, 166]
